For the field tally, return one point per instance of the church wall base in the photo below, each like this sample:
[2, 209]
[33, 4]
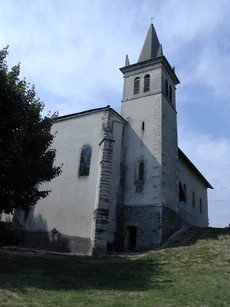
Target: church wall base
[101, 217]
[97, 251]
[139, 227]
[55, 241]
[171, 222]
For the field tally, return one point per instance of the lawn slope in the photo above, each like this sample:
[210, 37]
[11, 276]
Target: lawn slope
[193, 271]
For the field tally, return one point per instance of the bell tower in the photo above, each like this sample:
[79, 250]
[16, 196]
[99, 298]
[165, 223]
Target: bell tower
[150, 187]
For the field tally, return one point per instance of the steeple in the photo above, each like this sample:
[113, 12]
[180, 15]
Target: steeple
[150, 138]
[127, 63]
[151, 48]
[151, 75]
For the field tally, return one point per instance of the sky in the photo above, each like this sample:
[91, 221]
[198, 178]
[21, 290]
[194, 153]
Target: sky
[71, 50]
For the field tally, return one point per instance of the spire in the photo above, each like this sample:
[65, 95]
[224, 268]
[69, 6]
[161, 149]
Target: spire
[127, 63]
[151, 48]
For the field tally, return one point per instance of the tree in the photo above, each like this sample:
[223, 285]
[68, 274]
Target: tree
[26, 159]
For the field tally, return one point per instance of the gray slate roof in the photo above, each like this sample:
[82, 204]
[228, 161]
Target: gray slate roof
[151, 48]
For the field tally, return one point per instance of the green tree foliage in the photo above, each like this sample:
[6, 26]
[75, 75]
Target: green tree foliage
[26, 159]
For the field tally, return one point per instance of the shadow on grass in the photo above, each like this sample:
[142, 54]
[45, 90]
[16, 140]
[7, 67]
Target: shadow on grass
[192, 235]
[19, 273]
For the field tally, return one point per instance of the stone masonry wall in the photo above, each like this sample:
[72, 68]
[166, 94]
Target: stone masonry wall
[147, 220]
[171, 221]
[170, 197]
[101, 214]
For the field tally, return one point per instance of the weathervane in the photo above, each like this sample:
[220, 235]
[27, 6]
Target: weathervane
[152, 19]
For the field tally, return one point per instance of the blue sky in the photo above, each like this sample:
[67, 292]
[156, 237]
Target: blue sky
[72, 51]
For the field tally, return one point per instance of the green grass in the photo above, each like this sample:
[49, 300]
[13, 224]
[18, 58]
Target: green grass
[193, 271]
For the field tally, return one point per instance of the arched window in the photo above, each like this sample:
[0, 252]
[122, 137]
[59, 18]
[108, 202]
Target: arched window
[136, 85]
[170, 92]
[181, 192]
[141, 171]
[166, 87]
[84, 166]
[146, 83]
[201, 209]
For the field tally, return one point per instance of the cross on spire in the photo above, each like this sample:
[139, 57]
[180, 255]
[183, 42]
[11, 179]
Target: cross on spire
[152, 19]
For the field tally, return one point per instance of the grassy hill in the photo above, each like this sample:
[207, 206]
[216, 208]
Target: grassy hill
[193, 271]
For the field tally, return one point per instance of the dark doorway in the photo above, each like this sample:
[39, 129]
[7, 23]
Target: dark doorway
[132, 230]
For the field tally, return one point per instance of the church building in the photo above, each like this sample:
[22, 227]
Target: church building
[125, 184]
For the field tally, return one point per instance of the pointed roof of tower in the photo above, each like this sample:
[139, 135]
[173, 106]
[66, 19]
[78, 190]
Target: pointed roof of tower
[151, 48]
[151, 54]
[127, 63]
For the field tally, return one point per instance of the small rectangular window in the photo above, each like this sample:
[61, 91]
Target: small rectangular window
[143, 126]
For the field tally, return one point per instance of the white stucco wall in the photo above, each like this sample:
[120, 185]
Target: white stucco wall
[143, 145]
[193, 182]
[69, 207]
[169, 156]
[156, 145]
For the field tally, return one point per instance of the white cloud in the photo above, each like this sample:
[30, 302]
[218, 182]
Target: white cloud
[70, 48]
[191, 20]
[213, 69]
